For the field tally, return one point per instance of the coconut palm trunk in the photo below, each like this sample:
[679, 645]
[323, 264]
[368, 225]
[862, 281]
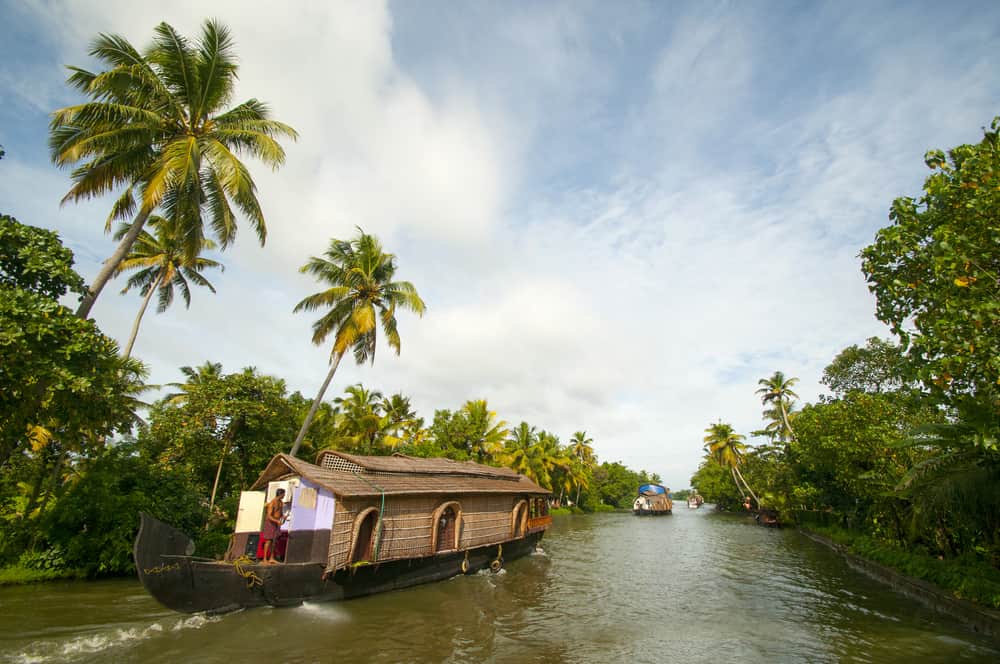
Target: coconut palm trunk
[784, 417]
[749, 490]
[138, 318]
[315, 405]
[109, 266]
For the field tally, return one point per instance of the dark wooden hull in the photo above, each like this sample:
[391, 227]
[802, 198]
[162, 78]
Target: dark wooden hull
[187, 584]
[652, 512]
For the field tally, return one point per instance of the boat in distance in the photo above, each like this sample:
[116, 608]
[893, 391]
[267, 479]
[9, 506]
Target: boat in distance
[352, 526]
[652, 500]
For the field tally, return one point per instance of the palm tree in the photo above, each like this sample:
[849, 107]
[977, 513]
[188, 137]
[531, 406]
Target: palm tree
[163, 264]
[582, 450]
[361, 422]
[361, 295]
[400, 419]
[487, 434]
[195, 376]
[523, 454]
[726, 447]
[155, 126]
[778, 390]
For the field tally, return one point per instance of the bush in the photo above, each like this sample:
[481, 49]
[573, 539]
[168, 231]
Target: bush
[52, 559]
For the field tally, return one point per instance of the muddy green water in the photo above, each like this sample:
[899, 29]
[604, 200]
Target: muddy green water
[692, 587]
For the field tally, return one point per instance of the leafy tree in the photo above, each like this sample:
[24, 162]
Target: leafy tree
[615, 484]
[163, 264]
[849, 451]
[57, 371]
[241, 416]
[360, 297]
[155, 126]
[935, 273]
[195, 376]
[878, 367]
[96, 520]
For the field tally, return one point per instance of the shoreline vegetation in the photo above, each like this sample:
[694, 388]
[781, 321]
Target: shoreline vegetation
[899, 463]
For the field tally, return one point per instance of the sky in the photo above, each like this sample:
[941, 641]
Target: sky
[621, 216]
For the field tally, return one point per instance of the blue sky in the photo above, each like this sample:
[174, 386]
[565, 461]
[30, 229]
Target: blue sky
[621, 215]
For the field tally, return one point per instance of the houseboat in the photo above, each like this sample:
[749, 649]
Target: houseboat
[354, 526]
[652, 500]
[695, 501]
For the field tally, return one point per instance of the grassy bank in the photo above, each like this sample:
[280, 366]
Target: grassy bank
[16, 575]
[967, 577]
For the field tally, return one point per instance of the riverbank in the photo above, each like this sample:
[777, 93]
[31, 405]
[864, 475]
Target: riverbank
[15, 575]
[963, 590]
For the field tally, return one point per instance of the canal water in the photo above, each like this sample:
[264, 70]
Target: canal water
[692, 587]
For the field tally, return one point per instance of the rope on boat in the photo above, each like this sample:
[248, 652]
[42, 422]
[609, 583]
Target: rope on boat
[378, 523]
[253, 579]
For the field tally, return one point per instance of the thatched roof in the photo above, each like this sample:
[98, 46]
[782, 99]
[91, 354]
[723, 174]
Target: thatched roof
[400, 475]
[400, 463]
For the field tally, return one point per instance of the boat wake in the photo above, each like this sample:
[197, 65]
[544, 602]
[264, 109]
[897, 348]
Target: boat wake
[325, 611]
[122, 637]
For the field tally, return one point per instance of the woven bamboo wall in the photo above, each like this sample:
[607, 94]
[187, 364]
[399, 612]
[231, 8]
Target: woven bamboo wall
[407, 525]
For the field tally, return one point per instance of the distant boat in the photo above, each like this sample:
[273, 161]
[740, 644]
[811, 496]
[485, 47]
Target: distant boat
[695, 501]
[356, 525]
[652, 500]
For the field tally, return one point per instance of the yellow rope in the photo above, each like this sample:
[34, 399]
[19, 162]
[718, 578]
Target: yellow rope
[252, 578]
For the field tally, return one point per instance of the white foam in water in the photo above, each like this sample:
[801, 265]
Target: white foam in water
[87, 645]
[325, 611]
[539, 551]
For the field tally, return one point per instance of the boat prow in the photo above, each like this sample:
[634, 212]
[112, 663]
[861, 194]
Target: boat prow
[169, 572]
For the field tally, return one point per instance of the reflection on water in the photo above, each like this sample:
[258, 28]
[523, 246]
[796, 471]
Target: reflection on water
[692, 587]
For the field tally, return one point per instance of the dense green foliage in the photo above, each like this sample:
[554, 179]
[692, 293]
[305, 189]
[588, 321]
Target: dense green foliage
[903, 458]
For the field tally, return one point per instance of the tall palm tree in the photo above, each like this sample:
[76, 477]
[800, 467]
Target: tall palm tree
[777, 390]
[487, 434]
[156, 127]
[582, 450]
[361, 295]
[163, 264]
[727, 448]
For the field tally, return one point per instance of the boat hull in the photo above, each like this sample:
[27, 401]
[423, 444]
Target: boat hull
[642, 512]
[191, 585]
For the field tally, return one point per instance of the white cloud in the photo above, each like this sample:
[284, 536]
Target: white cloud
[608, 237]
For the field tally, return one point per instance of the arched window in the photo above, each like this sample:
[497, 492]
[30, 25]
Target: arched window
[365, 531]
[519, 519]
[446, 526]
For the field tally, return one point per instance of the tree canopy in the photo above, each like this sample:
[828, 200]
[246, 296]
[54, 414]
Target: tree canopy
[935, 273]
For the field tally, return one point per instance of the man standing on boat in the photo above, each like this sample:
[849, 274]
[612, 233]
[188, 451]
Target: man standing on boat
[274, 516]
